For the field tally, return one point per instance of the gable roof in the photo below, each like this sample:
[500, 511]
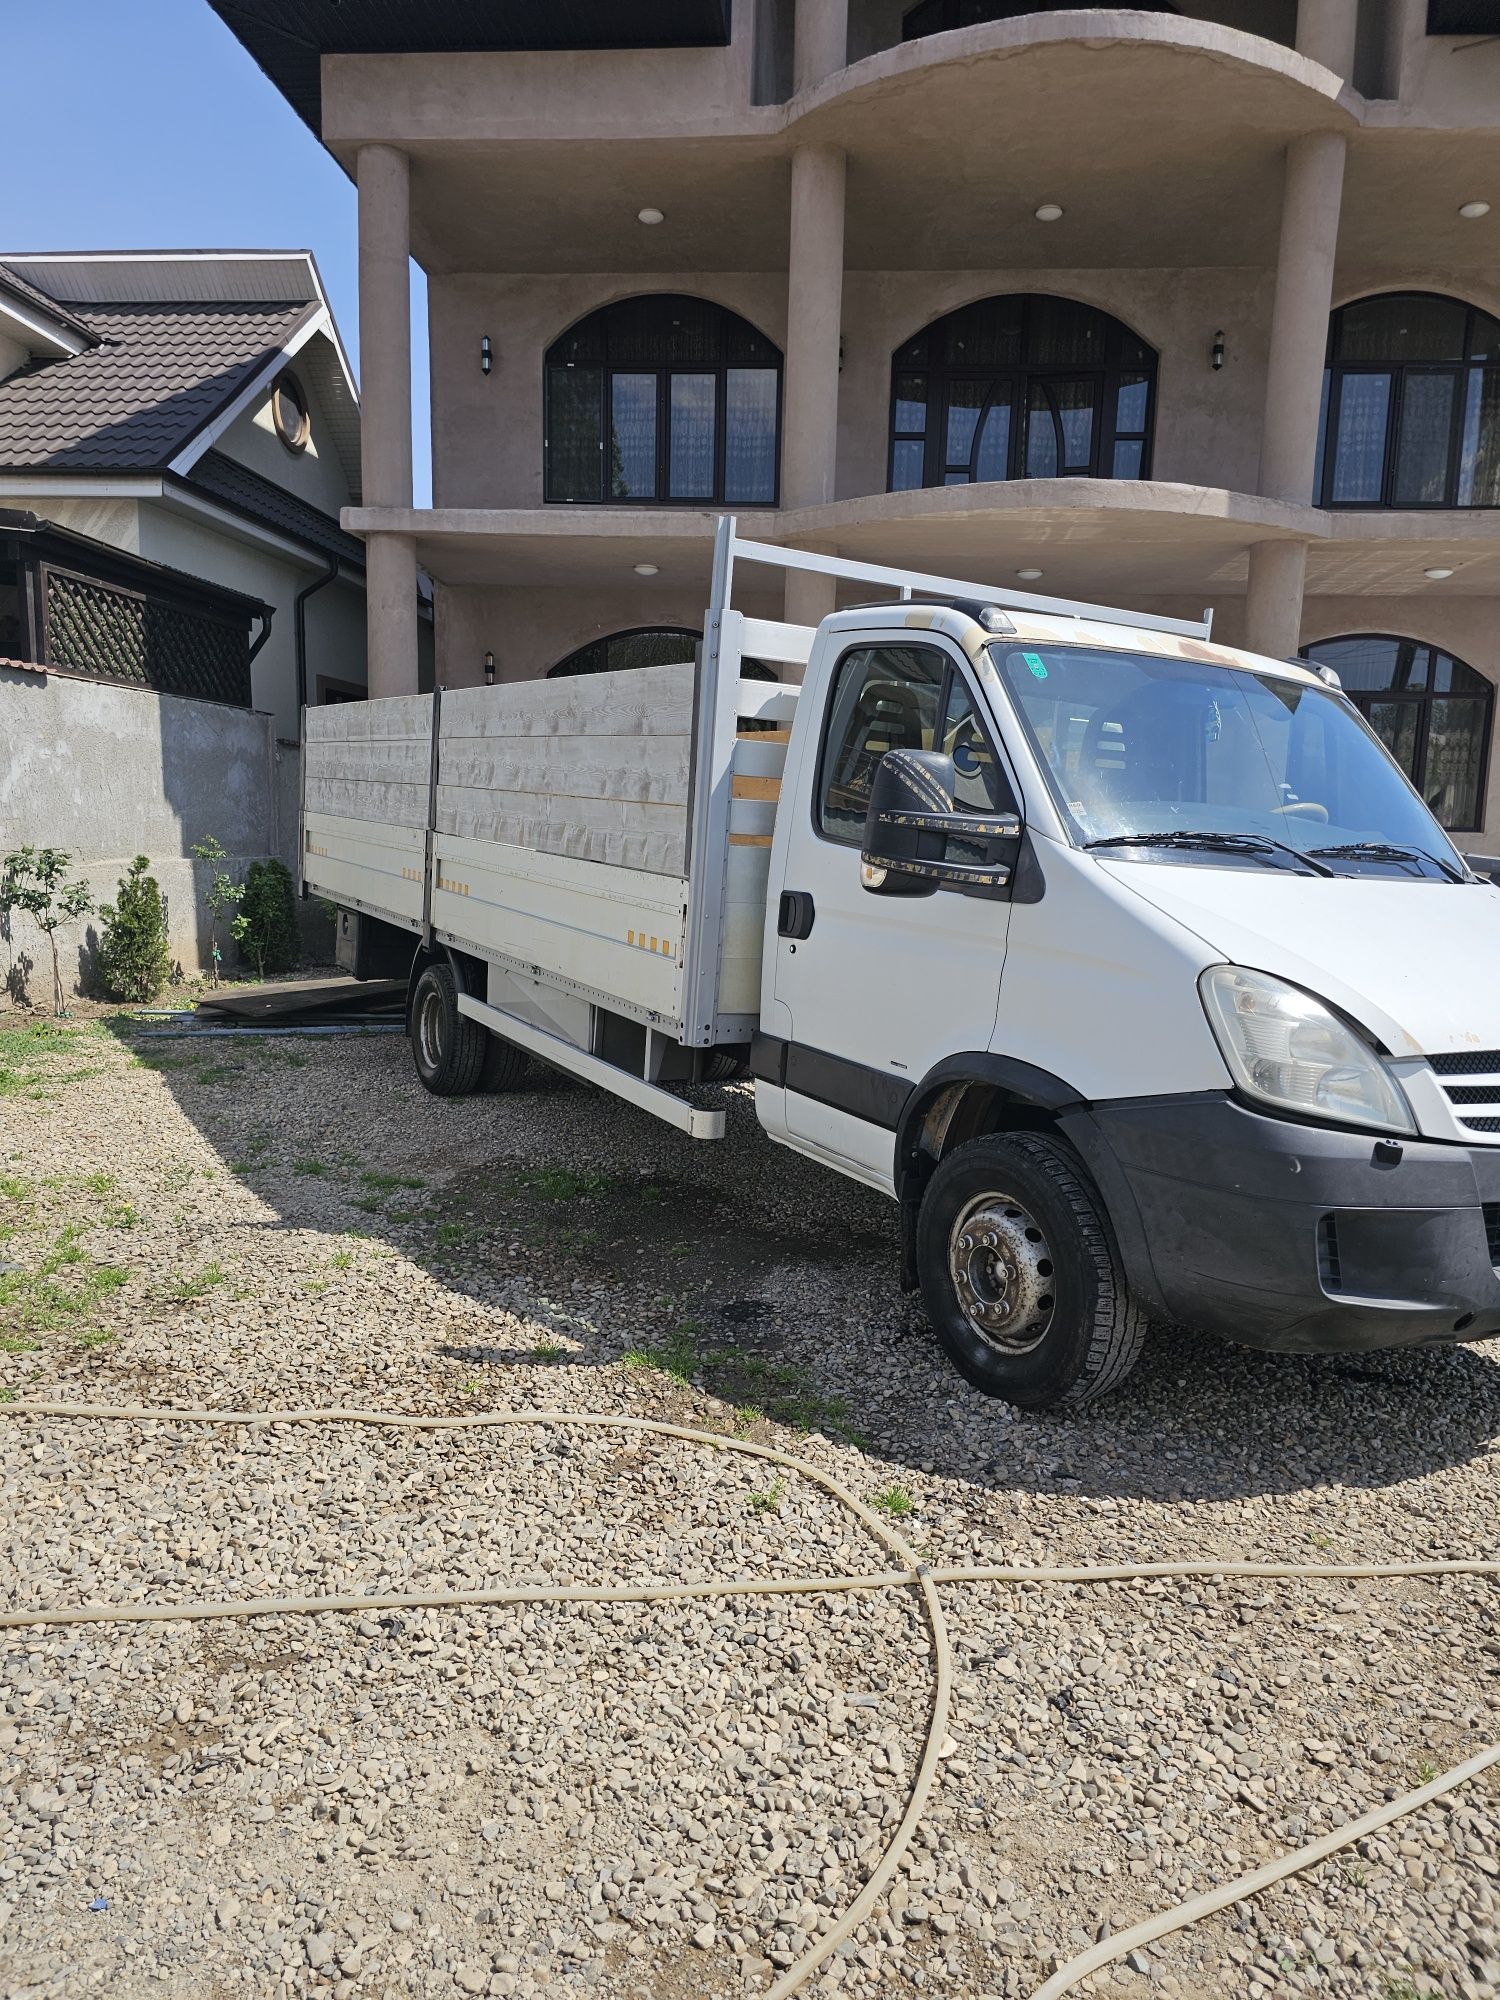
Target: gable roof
[182, 341]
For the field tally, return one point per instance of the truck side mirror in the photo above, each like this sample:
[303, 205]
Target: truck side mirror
[910, 823]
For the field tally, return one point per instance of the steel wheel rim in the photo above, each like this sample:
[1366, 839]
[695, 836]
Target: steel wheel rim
[430, 1031]
[1003, 1273]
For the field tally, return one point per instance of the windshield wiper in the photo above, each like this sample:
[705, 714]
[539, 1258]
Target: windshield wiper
[1387, 850]
[1224, 843]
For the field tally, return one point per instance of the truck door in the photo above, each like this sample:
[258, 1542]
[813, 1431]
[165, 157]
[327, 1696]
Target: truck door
[879, 988]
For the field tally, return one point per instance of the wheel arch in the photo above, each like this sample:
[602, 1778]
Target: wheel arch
[960, 1098]
[469, 973]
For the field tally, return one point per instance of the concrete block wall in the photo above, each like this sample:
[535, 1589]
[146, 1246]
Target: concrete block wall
[107, 773]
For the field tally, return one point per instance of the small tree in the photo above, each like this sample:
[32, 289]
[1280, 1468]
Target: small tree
[135, 961]
[266, 927]
[223, 893]
[31, 879]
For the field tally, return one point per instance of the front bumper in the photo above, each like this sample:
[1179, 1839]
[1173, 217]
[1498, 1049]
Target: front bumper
[1300, 1238]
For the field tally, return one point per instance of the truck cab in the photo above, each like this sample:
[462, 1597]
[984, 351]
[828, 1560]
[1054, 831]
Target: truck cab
[1135, 970]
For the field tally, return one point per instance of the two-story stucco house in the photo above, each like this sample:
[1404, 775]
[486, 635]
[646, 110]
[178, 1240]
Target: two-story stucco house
[1162, 306]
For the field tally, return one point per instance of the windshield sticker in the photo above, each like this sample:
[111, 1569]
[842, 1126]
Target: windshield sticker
[1037, 664]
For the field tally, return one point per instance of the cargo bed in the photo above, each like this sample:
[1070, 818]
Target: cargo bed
[600, 843]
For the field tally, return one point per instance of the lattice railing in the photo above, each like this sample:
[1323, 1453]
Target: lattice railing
[143, 641]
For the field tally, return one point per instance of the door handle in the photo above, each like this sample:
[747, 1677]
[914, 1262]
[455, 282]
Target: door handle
[794, 916]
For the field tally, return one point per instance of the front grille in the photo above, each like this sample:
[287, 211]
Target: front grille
[1473, 1093]
[1467, 1062]
[1329, 1268]
[1492, 1230]
[1483, 1124]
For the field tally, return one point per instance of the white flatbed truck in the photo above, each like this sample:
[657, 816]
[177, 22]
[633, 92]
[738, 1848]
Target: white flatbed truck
[1129, 965]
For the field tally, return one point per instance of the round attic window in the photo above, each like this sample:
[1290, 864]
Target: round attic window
[289, 411]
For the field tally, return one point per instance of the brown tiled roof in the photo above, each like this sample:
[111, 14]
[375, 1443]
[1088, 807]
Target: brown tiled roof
[236, 486]
[12, 281]
[158, 375]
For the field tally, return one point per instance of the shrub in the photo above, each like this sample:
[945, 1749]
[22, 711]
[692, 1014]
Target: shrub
[266, 926]
[134, 960]
[31, 879]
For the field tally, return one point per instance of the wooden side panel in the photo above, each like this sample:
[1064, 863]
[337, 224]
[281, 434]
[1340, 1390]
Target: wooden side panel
[597, 768]
[370, 760]
[365, 866]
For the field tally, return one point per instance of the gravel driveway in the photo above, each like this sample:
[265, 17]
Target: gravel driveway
[667, 1800]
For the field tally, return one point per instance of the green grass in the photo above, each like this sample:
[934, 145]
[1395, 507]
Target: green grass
[451, 1234]
[95, 1336]
[676, 1355]
[316, 1168]
[547, 1350]
[343, 1260]
[62, 1291]
[220, 1072]
[1396, 1986]
[770, 1501]
[122, 1217]
[99, 1183]
[14, 1188]
[369, 1204]
[385, 1182]
[563, 1183]
[783, 1391]
[186, 1289]
[893, 1500]
[32, 1053]
[1426, 1772]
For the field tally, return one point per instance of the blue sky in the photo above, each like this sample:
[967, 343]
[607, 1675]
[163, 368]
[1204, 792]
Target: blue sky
[157, 132]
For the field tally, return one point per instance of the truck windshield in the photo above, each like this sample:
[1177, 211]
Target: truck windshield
[1265, 767]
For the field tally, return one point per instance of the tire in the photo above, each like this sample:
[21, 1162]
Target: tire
[1020, 1275]
[504, 1066]
[726, 1065]
[447, 1047]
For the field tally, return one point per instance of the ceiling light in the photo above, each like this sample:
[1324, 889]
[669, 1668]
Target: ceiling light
[1050, 211]
[1472, 210]
[1436, 575]
[650, 216]
[645, 569]
[1028, 575]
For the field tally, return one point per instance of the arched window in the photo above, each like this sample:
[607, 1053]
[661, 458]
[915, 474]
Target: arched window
[663, 400]
[1023, 387]
[1430, 710]
[1411, 405]
[935, 17]
[646, 646]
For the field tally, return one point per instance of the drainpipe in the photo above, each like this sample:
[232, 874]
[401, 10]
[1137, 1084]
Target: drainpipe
[299, 618]
[265, 614]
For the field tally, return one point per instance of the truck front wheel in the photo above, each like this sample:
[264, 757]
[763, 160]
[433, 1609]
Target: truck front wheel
[448, 1048]
[1020, 1276]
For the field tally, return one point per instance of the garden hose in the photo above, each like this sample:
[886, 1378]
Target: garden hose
[912, 1573]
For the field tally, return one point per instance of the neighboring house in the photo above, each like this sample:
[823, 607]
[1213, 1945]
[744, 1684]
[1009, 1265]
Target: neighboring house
[179, 432]
[1165, 307]
[193, 414]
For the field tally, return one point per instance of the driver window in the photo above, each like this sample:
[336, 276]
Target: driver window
[980, 788]
[884, 698]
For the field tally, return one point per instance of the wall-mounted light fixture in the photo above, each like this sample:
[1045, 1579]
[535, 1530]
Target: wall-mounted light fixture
[489, 670]
[486, 354]
[1218, 349]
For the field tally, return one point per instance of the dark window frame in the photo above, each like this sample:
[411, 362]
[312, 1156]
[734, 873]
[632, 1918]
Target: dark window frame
[939, 377]
[1422, 699]
[608, 367]
[949, 11]
[1336, 373]
[953, 671]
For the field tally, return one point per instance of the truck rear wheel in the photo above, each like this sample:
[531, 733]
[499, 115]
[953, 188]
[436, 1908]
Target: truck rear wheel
[1020, 1276]
[447, 1047]
[504, 1065]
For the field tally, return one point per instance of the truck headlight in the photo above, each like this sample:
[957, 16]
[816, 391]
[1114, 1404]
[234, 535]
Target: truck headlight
[1288, 1049]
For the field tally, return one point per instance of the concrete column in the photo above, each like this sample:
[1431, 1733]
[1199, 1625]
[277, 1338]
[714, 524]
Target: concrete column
[385, 326]
[1273, 598]
[391, 614]
[1299, 314]
[385, 415]
[1325, 33]
[821, 42]
[815, 293]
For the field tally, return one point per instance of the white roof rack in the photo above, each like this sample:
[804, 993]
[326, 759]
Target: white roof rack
[729, 544]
